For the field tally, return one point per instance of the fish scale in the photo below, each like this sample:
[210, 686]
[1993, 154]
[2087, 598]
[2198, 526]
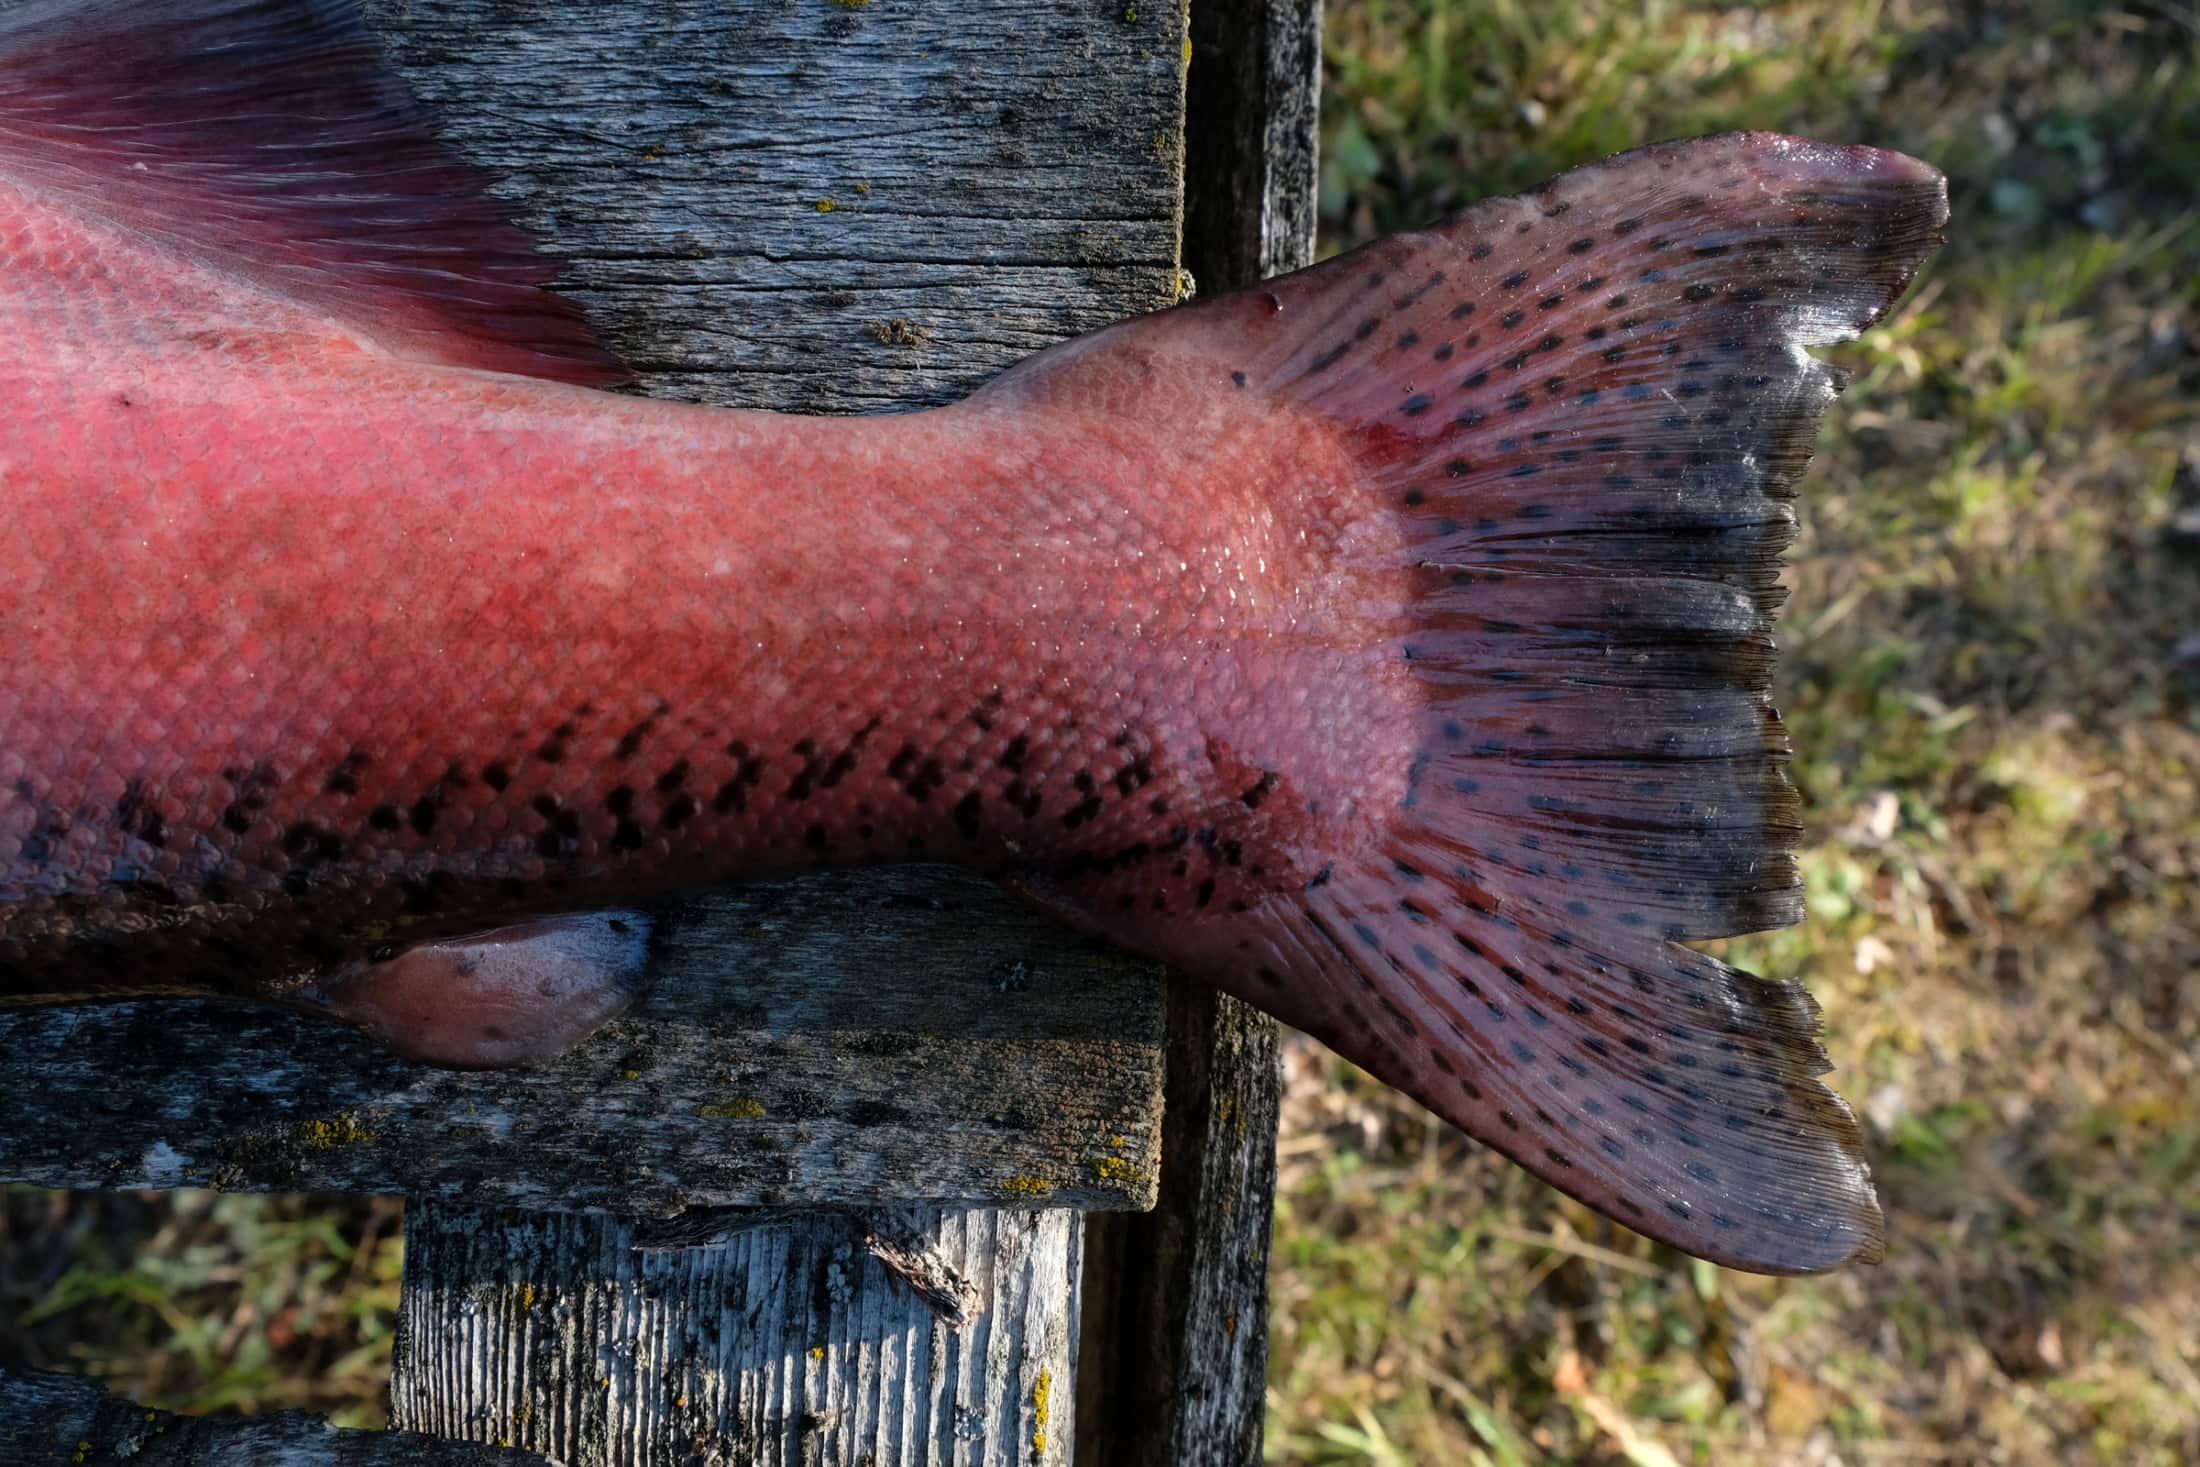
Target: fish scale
[1389, 644]
[368, 736]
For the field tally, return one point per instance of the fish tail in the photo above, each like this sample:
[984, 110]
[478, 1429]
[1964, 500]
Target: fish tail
[1583, 412]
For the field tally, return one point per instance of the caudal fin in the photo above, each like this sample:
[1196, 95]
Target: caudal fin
[1582, 413]
[1591, 405]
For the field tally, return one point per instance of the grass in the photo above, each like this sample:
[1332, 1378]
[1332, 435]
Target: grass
[1990, 676]
[1990, 671]
[196, 1301]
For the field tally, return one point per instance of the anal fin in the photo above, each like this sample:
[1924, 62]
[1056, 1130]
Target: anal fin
[511, 996]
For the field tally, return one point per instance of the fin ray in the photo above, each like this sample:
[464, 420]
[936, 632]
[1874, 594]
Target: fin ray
[1583, 412]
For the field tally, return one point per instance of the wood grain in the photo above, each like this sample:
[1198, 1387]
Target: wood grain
[840, 1040]
[823, 206]
[791, 1343]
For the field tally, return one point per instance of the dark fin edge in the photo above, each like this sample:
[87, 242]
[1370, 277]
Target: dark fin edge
[271, 136]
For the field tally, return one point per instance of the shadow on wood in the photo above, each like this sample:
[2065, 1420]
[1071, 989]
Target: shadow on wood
[59, 1418]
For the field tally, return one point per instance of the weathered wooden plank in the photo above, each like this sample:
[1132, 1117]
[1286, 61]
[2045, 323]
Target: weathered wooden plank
[1000, 175]
[1253, 121]
[790, 1344]
[831, 1041]
[1176, 1331]
[52, 1419]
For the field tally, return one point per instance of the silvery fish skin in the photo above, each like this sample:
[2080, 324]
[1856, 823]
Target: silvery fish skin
[1388, 645]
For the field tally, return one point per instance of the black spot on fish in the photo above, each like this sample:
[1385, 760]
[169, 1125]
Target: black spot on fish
[344, 778]
[672, 778]
[627, 836]
[966, 815]
[496, 775]
[630, 742]
[927, 778]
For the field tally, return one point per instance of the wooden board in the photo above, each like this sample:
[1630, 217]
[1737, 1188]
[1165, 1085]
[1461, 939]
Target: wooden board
[47, 1420]
[825, 205]
[839, 1040]
[792, 1343]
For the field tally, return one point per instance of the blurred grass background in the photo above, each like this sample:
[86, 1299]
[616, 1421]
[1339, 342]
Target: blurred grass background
[1989, 667]
[1991, 662]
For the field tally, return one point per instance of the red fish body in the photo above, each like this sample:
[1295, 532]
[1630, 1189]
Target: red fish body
[1388, 646]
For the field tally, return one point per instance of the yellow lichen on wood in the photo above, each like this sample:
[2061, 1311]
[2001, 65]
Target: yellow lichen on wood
[1041, 1393]
[741, 1108]
[1115, 1170]
[326, 1134]
[1027, 1186]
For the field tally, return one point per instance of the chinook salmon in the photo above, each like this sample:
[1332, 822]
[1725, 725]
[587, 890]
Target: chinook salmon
[1388, 645]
